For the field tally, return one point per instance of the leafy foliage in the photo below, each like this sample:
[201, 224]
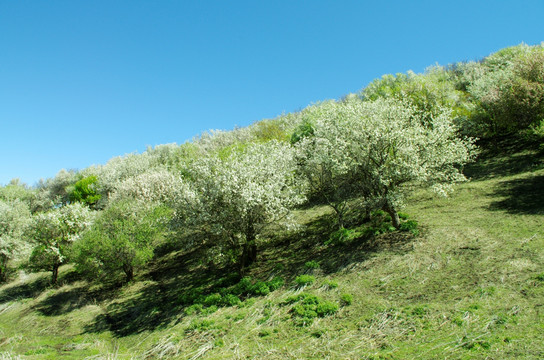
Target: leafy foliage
[234, 198]
[123, 237]
[508, 87]
[14, 219]
[55, 232]
[384, 148]
[308, 307]
[84, 191]
[304, 280]
[156, 185]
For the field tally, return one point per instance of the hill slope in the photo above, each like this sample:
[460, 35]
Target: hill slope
[470, 285]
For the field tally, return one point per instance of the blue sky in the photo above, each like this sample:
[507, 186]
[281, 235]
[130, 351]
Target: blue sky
[84, 81]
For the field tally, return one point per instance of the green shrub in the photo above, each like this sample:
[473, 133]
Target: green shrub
[192, 296]
[201, 325]
[193, 309]
[308, 307]
[260, 288]
[304, 280]
[347, 299]
[243, 287]
[230, 300]
[213, 299]
[305, 310]
[305, 129]
[275, 283]
[248, 302]
[509, 90]
[343, 236]
[209, 310]
[331, 284]
[403, 216]
[325, 308]
[311, 265]
[295, 298]
[122, 238]
[85, 191]
[411, 226]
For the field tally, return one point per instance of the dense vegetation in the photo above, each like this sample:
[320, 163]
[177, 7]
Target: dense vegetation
[233, 216]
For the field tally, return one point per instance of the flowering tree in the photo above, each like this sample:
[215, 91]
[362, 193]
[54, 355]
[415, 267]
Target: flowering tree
[327, 179]
[55, 232]
[384, 147]
[236, 195]
[14, 218]
[56, 191]
[122, 238]
[156, 185]
[509, 89]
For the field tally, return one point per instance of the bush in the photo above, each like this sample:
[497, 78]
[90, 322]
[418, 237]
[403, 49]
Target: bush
[304, 130]
[231, 300]
[509, 91]
[260, 288]
[403, 216]
[122, 239]
[85, 191]
[304, 280]
[243, 287]
[343, 236]
[201, 325]
[347, 299]
[311, 265]
[308, 307]
[191, 296]
[213, 299]
[275, 283]
[411, 226]
[193, 309]
[326, 308]
[209, 310]
[331, 284]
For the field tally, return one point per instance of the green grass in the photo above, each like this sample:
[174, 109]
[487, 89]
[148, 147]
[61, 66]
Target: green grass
[469, 285]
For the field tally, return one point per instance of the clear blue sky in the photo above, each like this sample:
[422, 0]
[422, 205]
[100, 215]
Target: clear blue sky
[84, 81]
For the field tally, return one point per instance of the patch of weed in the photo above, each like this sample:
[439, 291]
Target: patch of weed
[347, 299]
[311, 265]
[330, 284]
[304, 280]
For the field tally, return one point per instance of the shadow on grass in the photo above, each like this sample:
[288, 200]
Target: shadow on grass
[40, 283]
[293, 252]
[31, 289]
[504, 157]
[161, 302]
[65, 301]
[521, 196]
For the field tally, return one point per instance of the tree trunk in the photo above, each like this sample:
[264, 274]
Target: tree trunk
[388, 208]
[55, 273]
[339, 217]
[129, 272]
[3, 267]
[249, 250]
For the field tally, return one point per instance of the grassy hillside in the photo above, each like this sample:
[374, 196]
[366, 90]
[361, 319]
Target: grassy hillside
[469, 285]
